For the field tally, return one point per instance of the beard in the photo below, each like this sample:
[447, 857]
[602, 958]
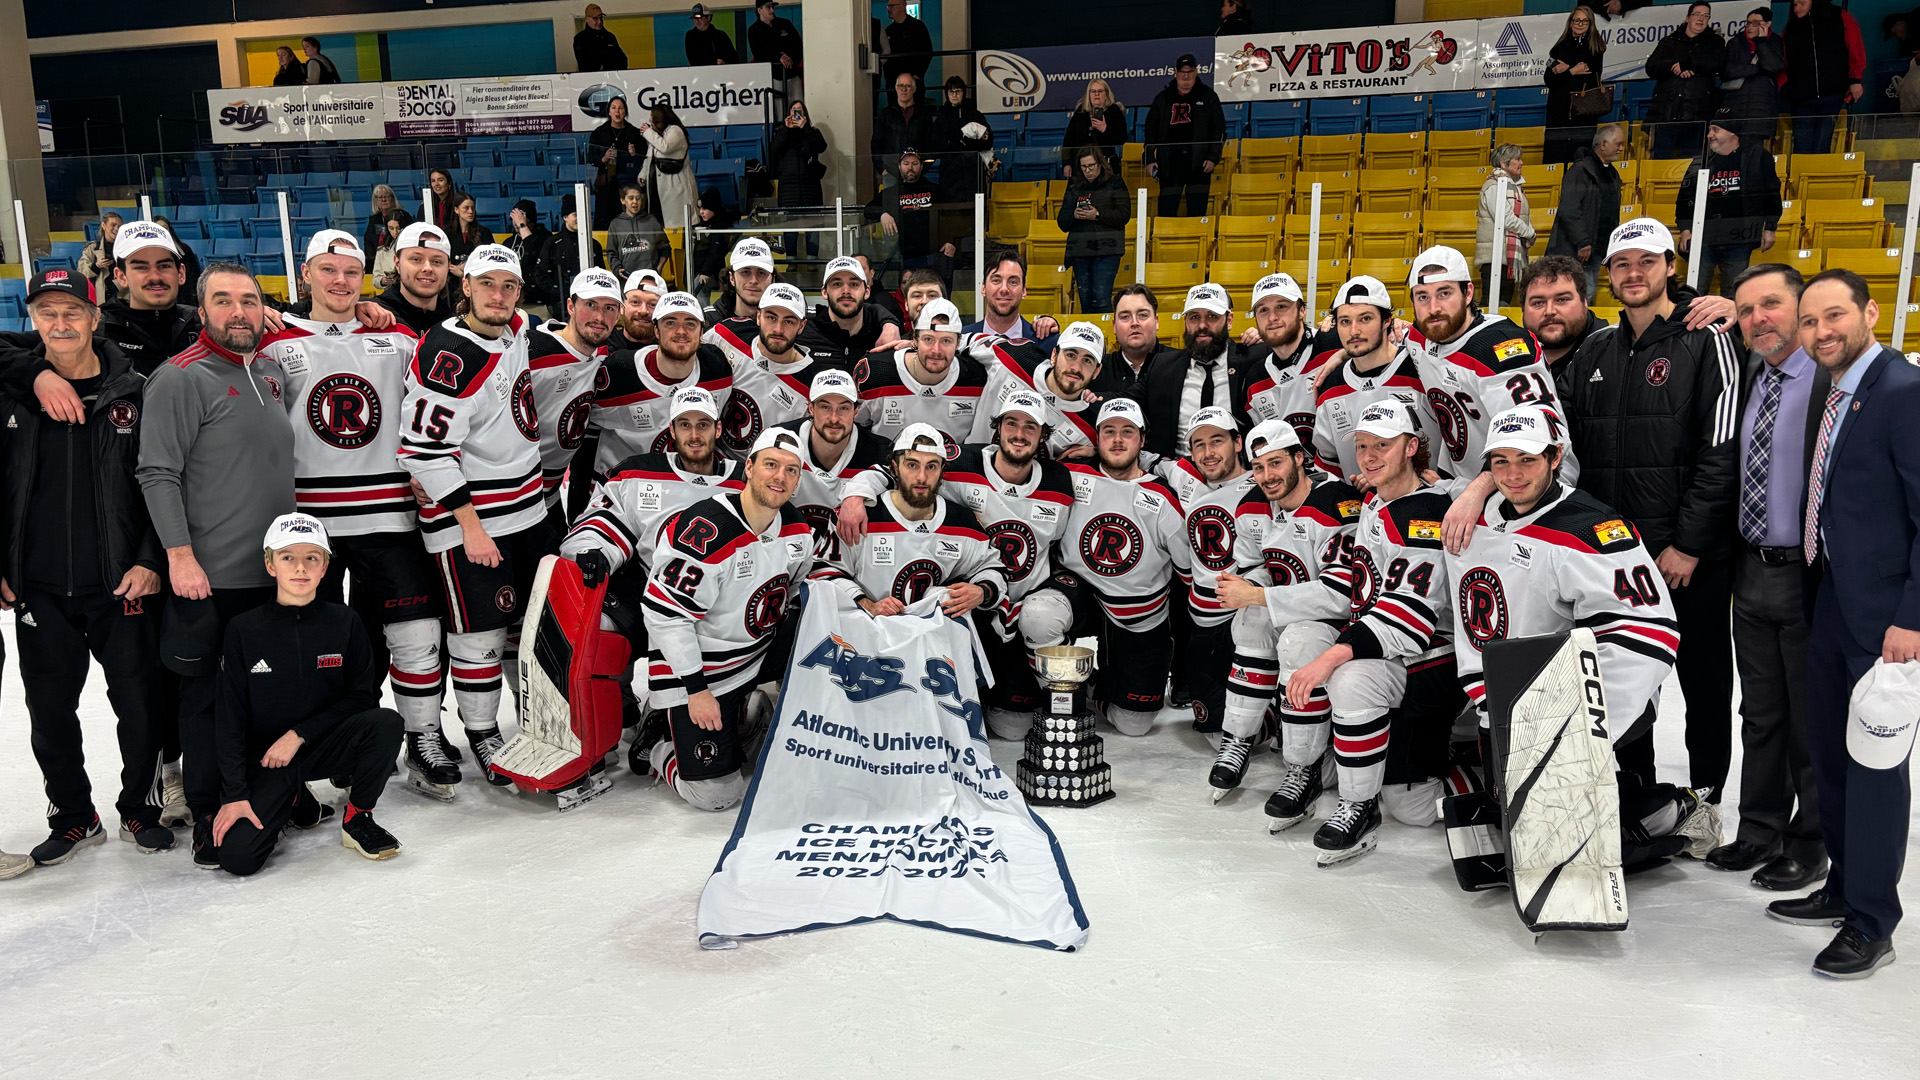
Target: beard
[916, 501]
[1447, 329]
[1018, 458]
[671, 350]
[235, 337]
[1216, 344]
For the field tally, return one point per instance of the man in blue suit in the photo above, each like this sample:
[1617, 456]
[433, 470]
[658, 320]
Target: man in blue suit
[1863, 532]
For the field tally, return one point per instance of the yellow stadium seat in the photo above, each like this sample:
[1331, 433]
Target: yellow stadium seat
[1180, 239]
[1806, 260]
[1393, 273]
[1459, 149]
[1056, 190]
[1031, 194]
[1629, 173]
[1611, 314]
[1330, 153]
[1296, 238]
[1171, 280]
[1046, 243]
[1050, 287]
[1385, 236]
[1008, 224]
[1268, 157]
[1880, 266]
[1133, 166]
[1331, 273]
[1384, 190]
[1884, 328]
[1395, 150]
[1455, 188]
[1543, 185]
[1336, 191]
[1855, 223]
[1454, 228]
[1629, 211]
[1249, 237]
[1790, 223]
[1532, 141]
[1239, 278]
[1827, 176]
[1262, 194]
[1542, 229]
[1660, 181]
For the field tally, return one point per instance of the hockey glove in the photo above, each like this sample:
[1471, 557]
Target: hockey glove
[593, 568]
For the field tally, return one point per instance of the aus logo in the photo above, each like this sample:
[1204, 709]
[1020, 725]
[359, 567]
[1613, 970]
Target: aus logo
[861, 677]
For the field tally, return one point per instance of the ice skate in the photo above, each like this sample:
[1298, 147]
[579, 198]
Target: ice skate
[652, 730]
[429, 771]
[446, 746]
[173, 798]
[1292, 802]
[360, 833]
[1699, 823]
[584, 790]
[486, 742]
[1351, 832]
[1229, 765]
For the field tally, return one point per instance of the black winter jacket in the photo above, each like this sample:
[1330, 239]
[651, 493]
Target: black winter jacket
[299, 669]
[1589, 206]
[1677, 98]
[1080, 133]
[1105, 234]
[126, 536]
[1184, 130]
[1655, 425]
[1561, 85]
[1743, 195]
[413, 318]
[961, 173]
[559, 263]
[151, 338]
[893, 132]
[1819, 53]
[796, 156]
[1753, 65]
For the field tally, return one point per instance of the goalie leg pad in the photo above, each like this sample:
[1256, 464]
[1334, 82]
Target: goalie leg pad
[1475, 840]
[570, 682]
[414, 648]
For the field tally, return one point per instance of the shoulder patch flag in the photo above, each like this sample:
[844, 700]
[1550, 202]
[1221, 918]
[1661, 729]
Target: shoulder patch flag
[1349, 508]
[1609, 532]
[1509, 349]
[1423, 530]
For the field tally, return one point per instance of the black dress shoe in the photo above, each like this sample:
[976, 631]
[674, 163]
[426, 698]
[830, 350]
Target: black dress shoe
[1741, 855]
[1852, 956]
[1785, 874]
[1818, 908]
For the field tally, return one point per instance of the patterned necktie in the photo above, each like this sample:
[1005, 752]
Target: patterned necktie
[1753, 479]
[1817, 482]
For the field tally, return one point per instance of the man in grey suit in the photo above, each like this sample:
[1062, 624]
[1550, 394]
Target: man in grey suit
[1778, 428]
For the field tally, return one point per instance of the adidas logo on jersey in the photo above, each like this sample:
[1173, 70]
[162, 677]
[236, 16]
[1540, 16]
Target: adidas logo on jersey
[26, 619]
[231, 392]
[260, 667]
[333, 330]
[12, 423]
[1597, 377]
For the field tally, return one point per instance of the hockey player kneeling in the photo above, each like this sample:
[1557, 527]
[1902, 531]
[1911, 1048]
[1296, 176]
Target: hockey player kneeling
[1555, 595]
[1388, 671]
[724, 575]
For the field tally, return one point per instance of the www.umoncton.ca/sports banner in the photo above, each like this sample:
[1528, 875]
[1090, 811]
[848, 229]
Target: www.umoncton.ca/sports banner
[875, 797]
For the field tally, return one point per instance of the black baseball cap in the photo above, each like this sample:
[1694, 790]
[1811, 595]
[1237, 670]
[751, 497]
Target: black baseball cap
[1186, 61]
[63, 281]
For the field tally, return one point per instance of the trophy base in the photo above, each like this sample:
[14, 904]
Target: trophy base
[1058, 787]
[1065, 761]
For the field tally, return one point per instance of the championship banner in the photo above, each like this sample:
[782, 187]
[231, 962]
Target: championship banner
[284, 114]
[876, 798]
[1358, 61]
[1054, 78]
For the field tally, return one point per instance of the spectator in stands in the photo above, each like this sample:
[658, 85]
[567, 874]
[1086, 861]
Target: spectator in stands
[617, 152]
[773, 40]
[879, 295]
[634, 240]
[909, 46]
[1099, 120]
[795, 149]
[320, 70]
[1236, 18]
[710, 257]
[594, 47]
[1136, 329]
[1684, 67]
[1185, 129]
[1825, 63]
[525, 233]
[671, 176]
[96, 259]
[1553, 308]
[189, 262]
[386, 251]
[468, 233]
[560, 258]
[1094, 213]
[847, 326]
[1575, 63]
[1589, 204]
[1743, 204]
[1512, 248]
[907, 217]
[963, 140]
[906, 121]
[707, 44]
[1003, 289]
[440, 182]
[1749, 84]
[384, 204]
[292, 72]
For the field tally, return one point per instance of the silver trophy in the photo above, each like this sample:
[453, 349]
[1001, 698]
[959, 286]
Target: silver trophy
[1065, 761]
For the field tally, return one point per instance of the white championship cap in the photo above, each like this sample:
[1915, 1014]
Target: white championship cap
[1524, 428]
[1884, 712]
[422, 234]
[844, 264]
[1386, 419]
[135, 235]
[1363, 290]
[693, 399]
[1280, 285]
[1213, 416]
[1207, 296]
[290, 529]
[833, 381]
[782, 295]
[1083, 336]
[678, 303]
[594, 283]
[921, 438]
[488, 258]
[752, 251]
[776, 438]
[939, 314]
[1640, 234]
[1022, 400]
[1122, 409]
[1452, 264]
[330, 242]
[1270, 435]
[646, 281]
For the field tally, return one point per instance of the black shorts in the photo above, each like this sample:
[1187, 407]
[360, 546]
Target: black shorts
[394, 580]
[1014, 688]
[705, 754]
[481, 598]
[1422, 725]
[1133, 664]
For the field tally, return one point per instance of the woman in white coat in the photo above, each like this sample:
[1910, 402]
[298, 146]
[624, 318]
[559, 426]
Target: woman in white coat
[1513, 253]
[673, 181]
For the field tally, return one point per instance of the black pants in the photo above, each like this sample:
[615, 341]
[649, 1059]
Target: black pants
[363, 747]
[1209, 653]
[1770, 634]
[57, 634]
[201, 771]
[1186, 183]
[1014, 687]
[1705, 667]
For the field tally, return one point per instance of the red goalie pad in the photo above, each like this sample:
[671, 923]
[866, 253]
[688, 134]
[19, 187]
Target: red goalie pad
[570, 672]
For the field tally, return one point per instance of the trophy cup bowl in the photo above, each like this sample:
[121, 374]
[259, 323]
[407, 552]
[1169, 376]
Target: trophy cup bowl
[1063, 667]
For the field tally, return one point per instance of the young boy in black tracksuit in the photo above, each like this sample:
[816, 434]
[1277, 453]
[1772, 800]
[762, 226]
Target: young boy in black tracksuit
[299, 700]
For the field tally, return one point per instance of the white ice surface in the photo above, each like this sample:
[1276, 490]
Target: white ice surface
[510, 942]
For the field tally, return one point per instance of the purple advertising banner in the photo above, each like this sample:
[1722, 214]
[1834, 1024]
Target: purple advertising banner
[1054, 78]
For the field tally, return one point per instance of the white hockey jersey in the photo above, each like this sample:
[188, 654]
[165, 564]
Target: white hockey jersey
[765, 393]
[563, 387]
[1572, 562]
[1212, 526]
[346, 384]
[1304, 560]
[716, 597]
[1489, 369]
[1127, 540]
[823, 488]
[1267, 386]
[641, 494]
[471, 432]
[909, 559]
[891, 398]
[1346, 394]
[1400, 579]
[630, 405]
[1027, 364]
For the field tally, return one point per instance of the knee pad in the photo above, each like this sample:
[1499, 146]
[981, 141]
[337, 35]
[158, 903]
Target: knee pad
[479, 649]
[1253, 631]
[414, 645]
[1130, 721]
[1009, 724]
[716, 794]
[1298, 645]
[1046, 618]
[1363, 687]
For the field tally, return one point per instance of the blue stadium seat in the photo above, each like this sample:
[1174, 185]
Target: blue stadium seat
[1034, 163]
[306, 225]
[1633, 97]
[1462, 110]
[268, 245]
[10, 308]
[264, 229]
[93, 231]
[1520, 106]
[406, 179]
[327, 179]
[483, 189]
[227, 249]
[14, 287]
[514, 156]
[573, 174]
[313, 193]
[365, 178]
[15, 326]
[722, 173]
[703, 142]
[478, 158]
[1050, 128]
[493, 209]
[532, 172]
[547, 209]
[47, 262]
[526, 140]
[526, 189]
[393, 157]
[189, 230]
[1397, 114]
[264, 265]
[226, 229]
[1336, 116]
[67, 251]
[285, 180]
[1235, 113]
[493, 173]
[742, 148]
[192, 213]
[1278, 119]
